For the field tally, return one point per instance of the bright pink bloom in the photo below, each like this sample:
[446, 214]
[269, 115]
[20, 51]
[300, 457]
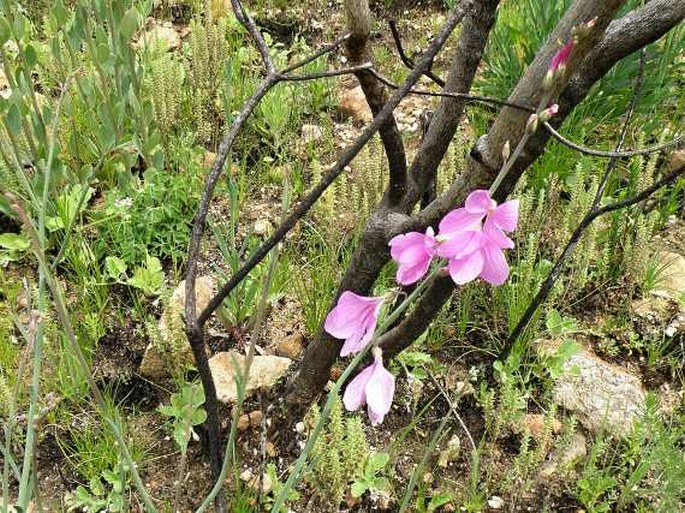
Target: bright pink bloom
[481, 256]
[374, 386]
[458, 227]
[413, 252]
[561, 57]
[354, 320]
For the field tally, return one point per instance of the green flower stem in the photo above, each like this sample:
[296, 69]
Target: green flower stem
[389, 321]
[519, 148]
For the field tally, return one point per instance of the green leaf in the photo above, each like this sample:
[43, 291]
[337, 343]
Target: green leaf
[14, 119]
[54, 223]
[358, 489]
[15, 242]
[30, 55]
[129, 23]
[377, 461]
[4, 31]
[149, 279]
[181, 436]
[114, 267]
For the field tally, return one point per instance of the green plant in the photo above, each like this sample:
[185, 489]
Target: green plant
[277, 487]
[99, 496]
[339, 455]
[372, 478]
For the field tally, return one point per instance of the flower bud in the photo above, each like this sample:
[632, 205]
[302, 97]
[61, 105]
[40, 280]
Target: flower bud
[532, 124]
[548, 113]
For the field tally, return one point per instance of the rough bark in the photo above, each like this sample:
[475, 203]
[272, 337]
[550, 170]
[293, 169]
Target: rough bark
[359, 27]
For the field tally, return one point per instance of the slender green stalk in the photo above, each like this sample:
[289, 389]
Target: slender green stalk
[506, 167]
[325, 412]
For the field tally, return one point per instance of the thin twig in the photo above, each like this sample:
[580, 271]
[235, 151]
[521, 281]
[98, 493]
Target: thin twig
[324, 74]
[303, 207]
[612, 154]
[594, 212]
[547, 126]
[323, 51]
[406, 60]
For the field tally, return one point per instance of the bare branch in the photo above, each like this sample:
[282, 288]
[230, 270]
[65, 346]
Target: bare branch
[303, 207]
[323, 51]
[359, 25]
[612, 154]
[443, 126]
[326, 74]
[406, 60]
[246, 21]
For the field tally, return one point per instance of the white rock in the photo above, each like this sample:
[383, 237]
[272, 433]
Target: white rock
[603, 395]
[496, 502]
[311, 133]
[672, 282]
[265, 371]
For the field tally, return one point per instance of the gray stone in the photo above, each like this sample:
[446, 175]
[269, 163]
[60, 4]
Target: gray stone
[171, 336]
[265, 371]
[604, 396]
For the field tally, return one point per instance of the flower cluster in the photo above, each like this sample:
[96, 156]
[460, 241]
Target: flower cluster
[473, 248]
[472, 240]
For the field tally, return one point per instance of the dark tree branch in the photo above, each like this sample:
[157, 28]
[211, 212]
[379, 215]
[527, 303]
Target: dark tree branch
[406, 60]
[591, 214]
[372, 252]
[359, 25]
[485, 159]
[554, 274]
[467, 56]
[325, 74]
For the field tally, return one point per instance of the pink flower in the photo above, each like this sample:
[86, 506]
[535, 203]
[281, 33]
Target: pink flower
[561, 57]
[413, 252]
[374, 386]
[354, 320]
[481, 256]
[457, 228]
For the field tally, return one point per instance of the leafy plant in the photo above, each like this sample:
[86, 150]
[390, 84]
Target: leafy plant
[186, 412]
[99, 496]
[338, 456]
[372, 478]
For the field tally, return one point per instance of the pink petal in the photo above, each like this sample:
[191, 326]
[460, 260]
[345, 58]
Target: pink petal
[460, 245]
[355, 395]
[495, 269]
[352, 319]
[380, 389]
[408, 274]
[506, 215]
[407, 247]
[467, 269]
[562, 56]
[355, 342]
[459, 220]
[479, 202]
[496, 236]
